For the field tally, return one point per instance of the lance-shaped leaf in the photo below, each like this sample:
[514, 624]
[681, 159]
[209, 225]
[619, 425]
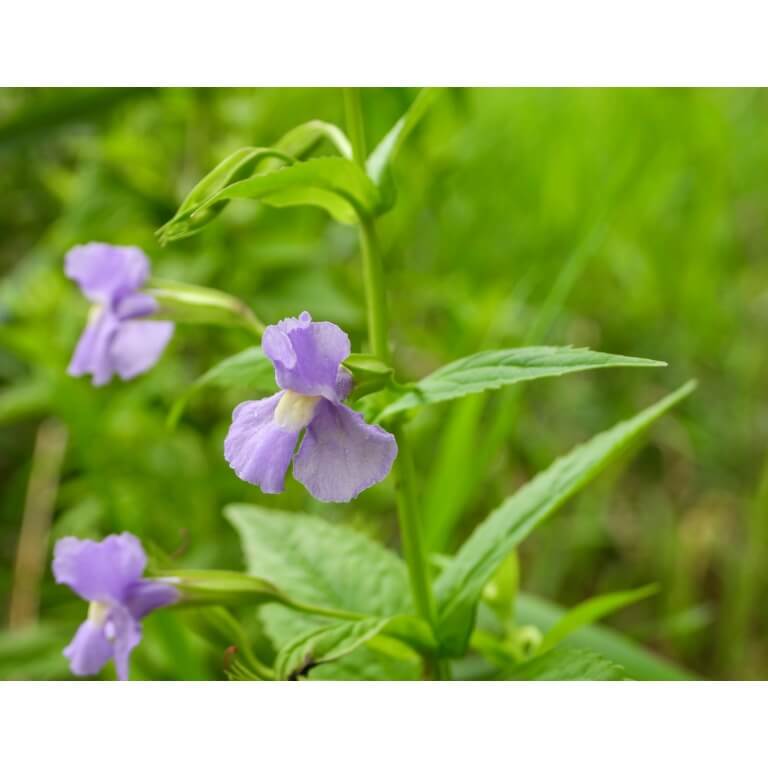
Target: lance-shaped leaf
[387, 149]
[333, 183]
[244, 162]
[590, 611]
[250, 369]
[567, 664]
[185, 303]
[461, 583]
[498, 368]
[363, 365]
[239, 165]
[302, 139]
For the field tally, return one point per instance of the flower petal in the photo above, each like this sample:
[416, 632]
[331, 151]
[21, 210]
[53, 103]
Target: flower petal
[341, 455]
[138, 344]
[124, 631]
[148, 595]
[89, 650]
[256, 447]
[106, 273]
[277, 346]
[306, 355]
[99, 570]
[92, 353]
[344, 384]
[136, 305]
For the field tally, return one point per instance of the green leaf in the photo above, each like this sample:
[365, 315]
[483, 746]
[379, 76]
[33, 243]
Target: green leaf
[331, 565]
[461, 583]
[302, 139]
[249, 369]
[640, 663]
[321, 563]
[590, 611]
[368, 372]
[359, 363]
[233, 168]
[329, 642]
[335, 184]
[387, 149]
[567, 664]
[324, 644]
[369, 661]
[498, 368]
[241, 164]
[238, 165]
[184, 303]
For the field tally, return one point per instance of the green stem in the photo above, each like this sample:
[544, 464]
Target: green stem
[355, 127]
[375, 296]
[373, 274]
[378, 337]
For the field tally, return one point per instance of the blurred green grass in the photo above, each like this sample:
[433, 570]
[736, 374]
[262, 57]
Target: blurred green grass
[631, 221]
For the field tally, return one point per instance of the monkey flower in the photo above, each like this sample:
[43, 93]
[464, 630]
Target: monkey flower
[108, 574]
[340, 454]
[117, 339]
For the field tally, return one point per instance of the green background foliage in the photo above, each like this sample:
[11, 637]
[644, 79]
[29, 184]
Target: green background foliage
[627, 221]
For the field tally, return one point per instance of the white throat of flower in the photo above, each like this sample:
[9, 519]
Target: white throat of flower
[295, 411]
[98, 612]
[94, 313]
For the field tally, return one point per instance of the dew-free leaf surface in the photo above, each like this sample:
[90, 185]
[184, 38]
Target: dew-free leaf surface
[567, 664]
[499, 368]
[461, 583]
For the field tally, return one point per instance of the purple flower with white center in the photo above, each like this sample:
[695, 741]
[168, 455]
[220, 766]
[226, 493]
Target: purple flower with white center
[117, 339]
[340, 454]
[108, 574]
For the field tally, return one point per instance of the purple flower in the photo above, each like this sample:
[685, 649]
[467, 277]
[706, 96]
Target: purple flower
[340, 455]
[116, 340]
[108, 574]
